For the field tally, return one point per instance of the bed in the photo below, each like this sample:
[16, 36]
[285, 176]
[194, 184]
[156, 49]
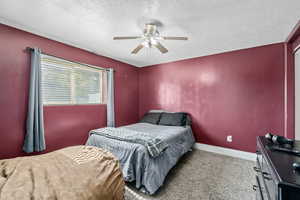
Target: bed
[147, 173]
[77, 173]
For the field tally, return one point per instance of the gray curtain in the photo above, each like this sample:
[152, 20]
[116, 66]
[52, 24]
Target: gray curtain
[110, 99]
[35, 139]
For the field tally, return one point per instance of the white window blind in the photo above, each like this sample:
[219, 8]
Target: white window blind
[65, 82]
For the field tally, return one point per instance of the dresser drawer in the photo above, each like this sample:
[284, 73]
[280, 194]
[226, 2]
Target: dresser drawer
[258, 189]
[264, 193]
[268, 178]
[261, 193]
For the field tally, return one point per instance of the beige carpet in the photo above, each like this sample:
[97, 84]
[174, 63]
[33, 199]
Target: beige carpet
[202, 175]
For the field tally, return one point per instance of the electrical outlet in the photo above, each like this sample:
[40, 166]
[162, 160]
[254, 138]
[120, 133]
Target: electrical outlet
[229, 138]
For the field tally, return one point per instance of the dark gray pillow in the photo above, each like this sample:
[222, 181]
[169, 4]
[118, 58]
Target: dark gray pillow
[188, 120]
[152, 118]
[188, 117]
[173, 119]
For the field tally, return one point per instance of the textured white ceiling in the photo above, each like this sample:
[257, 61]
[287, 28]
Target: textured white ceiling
[213, 26]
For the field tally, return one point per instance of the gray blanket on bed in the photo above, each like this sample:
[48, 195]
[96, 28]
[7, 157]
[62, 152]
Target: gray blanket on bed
[154, 145]
[147, 173]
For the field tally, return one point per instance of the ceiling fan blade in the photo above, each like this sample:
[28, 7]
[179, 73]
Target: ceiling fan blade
[175, 38]
[126, 38]
[137, 49]
[160, 47]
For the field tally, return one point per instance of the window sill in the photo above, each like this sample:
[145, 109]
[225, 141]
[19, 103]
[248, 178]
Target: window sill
[90, 104]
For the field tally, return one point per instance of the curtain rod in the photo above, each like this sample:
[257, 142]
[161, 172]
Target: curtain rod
[91, 66]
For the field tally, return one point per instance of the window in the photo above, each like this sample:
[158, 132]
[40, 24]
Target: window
[65, 82]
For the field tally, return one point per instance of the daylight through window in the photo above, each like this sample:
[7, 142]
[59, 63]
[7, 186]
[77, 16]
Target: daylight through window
[65, 82]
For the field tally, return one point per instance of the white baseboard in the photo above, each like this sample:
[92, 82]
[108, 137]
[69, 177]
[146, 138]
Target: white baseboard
[226, 151]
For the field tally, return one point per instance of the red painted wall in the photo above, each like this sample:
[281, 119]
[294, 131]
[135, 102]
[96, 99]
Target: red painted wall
[239, 93]
[64, 125]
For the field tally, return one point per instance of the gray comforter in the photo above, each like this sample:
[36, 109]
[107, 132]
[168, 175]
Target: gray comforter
[137, 165]
[154, 145]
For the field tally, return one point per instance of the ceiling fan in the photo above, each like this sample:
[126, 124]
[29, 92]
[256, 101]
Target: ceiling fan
[150, 38]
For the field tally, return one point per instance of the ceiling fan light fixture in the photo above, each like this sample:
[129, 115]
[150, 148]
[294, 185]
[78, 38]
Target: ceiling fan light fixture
[147, 44]
[150, 38]
[153, 41]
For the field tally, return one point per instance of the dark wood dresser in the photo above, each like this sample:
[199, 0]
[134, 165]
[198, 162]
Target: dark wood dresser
[275, 177]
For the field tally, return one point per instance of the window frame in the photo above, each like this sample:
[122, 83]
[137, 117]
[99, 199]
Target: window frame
[52, 60]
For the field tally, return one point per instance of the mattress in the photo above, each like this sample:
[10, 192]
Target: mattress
[77, 173]
[138, 167]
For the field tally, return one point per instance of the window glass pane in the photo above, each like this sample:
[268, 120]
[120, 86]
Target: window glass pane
[87, 86]
[65, 82]
[56, 84]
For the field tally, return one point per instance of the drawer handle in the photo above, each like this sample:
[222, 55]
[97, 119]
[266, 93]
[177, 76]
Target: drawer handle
[266, 176]
[254, 187]
[256, 169]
